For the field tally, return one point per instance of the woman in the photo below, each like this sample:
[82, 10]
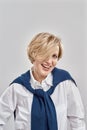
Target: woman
[44, 97]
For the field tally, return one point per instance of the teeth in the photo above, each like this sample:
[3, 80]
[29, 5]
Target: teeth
[45, 66]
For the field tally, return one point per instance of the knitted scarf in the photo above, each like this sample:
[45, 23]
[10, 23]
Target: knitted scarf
[43, 113]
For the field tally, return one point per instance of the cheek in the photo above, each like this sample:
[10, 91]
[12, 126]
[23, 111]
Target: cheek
[54, 62]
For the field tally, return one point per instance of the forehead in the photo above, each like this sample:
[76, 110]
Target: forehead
[42, 55]
[54, 49]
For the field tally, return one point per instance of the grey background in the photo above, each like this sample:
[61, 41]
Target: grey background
[20, 20]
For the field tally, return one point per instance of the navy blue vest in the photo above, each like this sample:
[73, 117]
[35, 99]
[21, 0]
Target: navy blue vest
[43, 113]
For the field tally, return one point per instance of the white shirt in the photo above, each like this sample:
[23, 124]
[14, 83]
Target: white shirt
[66, 98]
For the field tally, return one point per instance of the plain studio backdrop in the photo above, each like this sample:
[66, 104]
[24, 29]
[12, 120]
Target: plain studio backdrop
[20, 20]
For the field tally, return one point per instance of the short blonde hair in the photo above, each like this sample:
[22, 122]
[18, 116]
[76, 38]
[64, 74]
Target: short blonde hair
[42, 44]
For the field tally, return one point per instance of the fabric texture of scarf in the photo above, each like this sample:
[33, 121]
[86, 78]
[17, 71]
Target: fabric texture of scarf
[43, 112]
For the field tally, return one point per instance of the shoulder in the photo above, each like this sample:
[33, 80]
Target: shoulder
[21, 78]
[19, 89]
[60, 75]
[61, 71]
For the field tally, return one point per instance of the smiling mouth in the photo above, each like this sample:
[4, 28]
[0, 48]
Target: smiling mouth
[45, 67]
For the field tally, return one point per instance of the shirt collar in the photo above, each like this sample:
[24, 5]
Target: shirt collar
[48, 80]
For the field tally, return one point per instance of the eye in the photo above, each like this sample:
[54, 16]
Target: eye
[55, 56]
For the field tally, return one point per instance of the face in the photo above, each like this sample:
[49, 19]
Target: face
[42, 68]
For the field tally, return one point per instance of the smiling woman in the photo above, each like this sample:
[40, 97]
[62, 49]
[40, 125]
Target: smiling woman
[44, 97]
[42, 45]
[44, 51]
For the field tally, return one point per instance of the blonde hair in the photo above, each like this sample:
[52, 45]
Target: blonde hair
[42, 45]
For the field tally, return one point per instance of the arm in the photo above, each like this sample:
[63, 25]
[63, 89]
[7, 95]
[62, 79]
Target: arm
[75, 110]
[7, 105]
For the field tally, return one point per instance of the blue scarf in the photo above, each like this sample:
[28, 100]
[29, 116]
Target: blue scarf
[43, 113]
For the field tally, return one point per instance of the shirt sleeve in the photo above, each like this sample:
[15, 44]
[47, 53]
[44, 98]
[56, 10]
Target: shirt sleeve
[7, 105]
[75, 109]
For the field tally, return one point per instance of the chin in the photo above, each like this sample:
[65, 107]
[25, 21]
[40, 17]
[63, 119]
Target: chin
[46, 72]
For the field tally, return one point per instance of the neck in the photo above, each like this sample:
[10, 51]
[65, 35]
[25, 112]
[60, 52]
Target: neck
[37, 77]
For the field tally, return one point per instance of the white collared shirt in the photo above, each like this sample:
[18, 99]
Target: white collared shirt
[66, 98]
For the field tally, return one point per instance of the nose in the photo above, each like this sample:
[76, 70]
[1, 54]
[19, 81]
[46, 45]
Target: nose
[49, 60]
